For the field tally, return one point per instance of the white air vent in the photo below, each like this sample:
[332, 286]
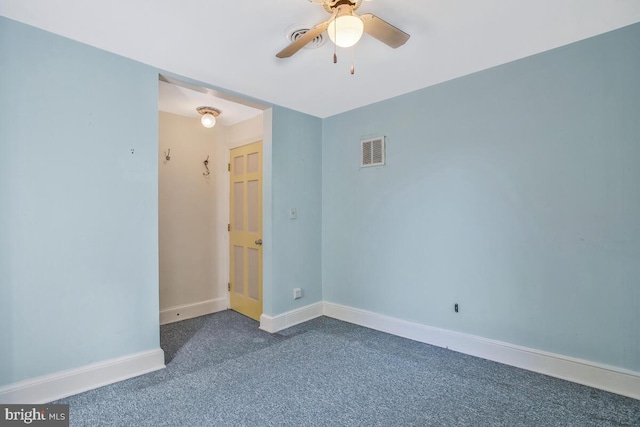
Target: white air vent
[372, 153]
[297, 31]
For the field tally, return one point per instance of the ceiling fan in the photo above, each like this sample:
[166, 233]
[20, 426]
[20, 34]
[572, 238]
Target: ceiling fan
[345, 28]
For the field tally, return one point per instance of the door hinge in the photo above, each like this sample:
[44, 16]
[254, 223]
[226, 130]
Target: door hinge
[228, 227]
[229, 167]
[229, 287]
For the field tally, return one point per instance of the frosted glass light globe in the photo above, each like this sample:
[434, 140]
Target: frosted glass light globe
[208, 120]
[345, 30]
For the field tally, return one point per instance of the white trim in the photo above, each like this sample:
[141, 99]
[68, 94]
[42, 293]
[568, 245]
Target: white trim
[189, 311]
[61, 384]
[609, 378]
[290, 318]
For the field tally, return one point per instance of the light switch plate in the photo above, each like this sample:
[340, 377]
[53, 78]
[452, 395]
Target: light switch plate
[293, 213]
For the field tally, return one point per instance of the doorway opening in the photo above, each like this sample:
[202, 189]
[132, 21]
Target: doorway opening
[194, 195]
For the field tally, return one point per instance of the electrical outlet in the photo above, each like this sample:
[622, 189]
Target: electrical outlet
[297, 293]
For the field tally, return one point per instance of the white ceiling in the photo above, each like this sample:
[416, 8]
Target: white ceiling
[232, 45]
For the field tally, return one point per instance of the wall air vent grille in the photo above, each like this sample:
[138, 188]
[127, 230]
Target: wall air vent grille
[372, 152]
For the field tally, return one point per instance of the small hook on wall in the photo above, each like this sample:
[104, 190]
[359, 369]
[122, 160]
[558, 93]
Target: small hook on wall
[206, 165]
[167, 155]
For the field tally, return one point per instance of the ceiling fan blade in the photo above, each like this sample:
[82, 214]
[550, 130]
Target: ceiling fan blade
[383, 31]
[303, 40]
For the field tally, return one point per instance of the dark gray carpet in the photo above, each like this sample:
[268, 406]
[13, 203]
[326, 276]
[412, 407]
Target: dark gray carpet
[221, 370]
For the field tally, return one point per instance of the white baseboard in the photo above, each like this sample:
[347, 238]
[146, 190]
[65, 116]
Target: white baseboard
[609, 378]
[290, 318]
[58, 385]
[189, 311]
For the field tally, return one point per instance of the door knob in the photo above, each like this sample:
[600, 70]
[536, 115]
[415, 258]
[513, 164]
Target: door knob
[259, 242]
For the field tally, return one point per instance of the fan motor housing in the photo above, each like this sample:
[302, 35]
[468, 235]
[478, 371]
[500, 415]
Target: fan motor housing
[330, 5]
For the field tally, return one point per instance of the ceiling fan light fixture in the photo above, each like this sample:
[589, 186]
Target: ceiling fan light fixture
[209, 115]
[345, 30]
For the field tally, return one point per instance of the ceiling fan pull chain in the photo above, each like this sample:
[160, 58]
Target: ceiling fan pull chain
[353, 70]
[335, 46]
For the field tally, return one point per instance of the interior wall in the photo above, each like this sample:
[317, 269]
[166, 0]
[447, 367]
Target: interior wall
[245, 132]
[79, 203]
[292, 253]
[512, 192]
[192, 261]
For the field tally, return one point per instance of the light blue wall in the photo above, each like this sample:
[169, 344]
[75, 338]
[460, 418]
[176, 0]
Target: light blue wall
[78, 223]
[514, 192]
[296, 179]
[78, 211]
